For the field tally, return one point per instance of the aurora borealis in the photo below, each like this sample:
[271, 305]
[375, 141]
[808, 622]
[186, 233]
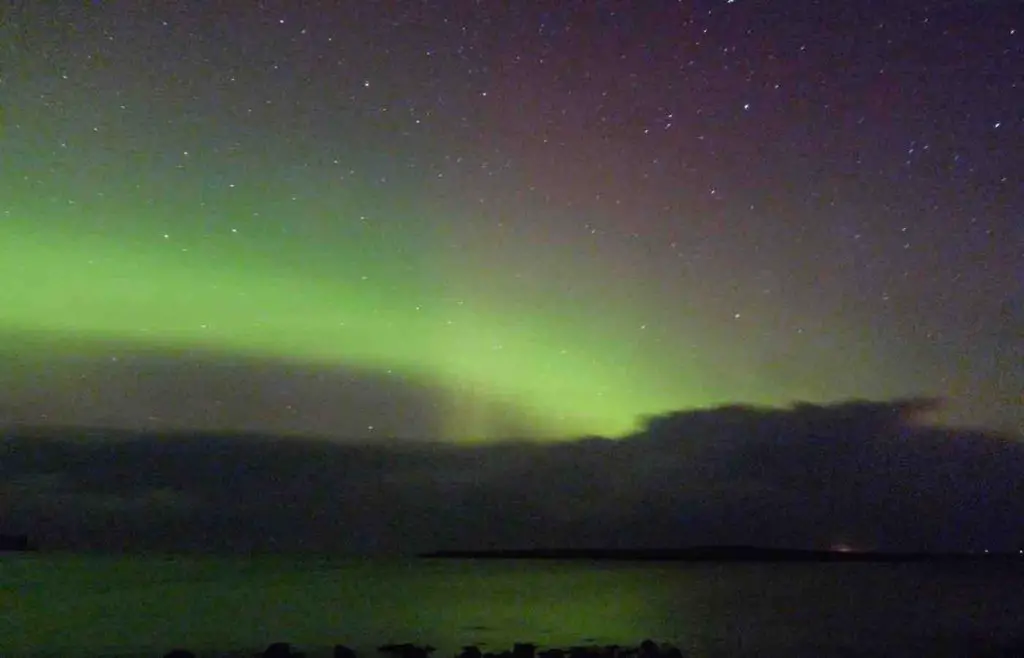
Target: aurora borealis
[542, 221]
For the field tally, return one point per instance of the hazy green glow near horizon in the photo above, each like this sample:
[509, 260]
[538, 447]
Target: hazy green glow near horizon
[145, 290]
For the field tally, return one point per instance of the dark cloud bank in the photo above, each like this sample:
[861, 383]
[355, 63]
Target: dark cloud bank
[862, 473]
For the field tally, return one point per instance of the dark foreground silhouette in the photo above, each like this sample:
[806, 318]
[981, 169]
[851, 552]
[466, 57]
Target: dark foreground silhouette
[646, 649]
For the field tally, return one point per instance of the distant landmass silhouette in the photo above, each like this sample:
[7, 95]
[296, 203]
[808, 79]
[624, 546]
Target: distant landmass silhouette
[16, 543]
[714, 554]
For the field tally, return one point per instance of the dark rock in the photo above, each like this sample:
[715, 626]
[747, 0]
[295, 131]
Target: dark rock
[524, 650]
[671, 651]
[341, 651]
[648, 649]
[407, 650]
[471, 651]
[280, 650]
[551, 653]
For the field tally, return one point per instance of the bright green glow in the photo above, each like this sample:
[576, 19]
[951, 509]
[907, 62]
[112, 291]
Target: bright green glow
[241, 296]
[111, 612]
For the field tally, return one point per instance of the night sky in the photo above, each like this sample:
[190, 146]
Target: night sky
[464, 221]
[773, 253]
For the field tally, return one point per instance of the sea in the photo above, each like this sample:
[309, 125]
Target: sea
[62, 605]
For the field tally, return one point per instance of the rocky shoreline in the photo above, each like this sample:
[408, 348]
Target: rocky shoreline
[646, 649]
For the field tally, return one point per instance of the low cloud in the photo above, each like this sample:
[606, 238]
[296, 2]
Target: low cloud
[862, 473]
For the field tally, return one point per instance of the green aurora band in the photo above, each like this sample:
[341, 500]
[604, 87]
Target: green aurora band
[118, 244]
[275, 297]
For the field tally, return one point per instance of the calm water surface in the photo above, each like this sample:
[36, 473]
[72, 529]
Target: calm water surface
[89, 606]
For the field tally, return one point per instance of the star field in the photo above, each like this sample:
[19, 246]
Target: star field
[555, 217]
